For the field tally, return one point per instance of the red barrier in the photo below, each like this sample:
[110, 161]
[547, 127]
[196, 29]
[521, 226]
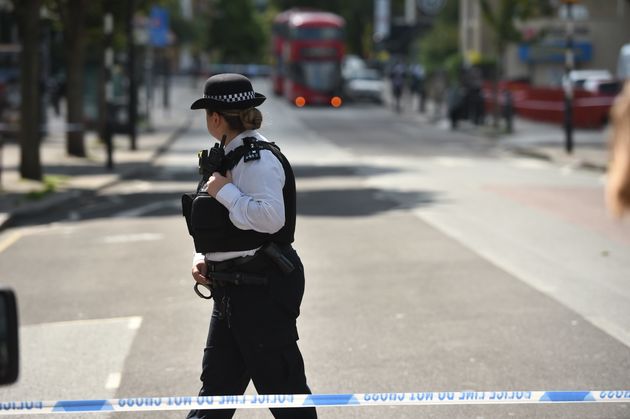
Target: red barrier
[590, 109]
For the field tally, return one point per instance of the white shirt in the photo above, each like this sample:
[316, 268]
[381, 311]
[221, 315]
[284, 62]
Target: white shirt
[254, 198]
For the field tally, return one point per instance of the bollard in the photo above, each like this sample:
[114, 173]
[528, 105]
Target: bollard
[508, 110]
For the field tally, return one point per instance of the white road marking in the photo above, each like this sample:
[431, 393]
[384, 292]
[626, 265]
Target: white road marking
[113, 381]
[148, 208]
[454, 161]
[528, 164]
[78, 359]
[130, 238]
[133, 320]
[134, 323]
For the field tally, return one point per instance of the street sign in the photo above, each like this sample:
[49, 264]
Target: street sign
[158, 27]
[381, 20]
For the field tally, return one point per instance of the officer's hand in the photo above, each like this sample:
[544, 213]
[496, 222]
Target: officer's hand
[199, 271]
[217, 181]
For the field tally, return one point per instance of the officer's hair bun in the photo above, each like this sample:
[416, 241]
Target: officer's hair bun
[251, 118]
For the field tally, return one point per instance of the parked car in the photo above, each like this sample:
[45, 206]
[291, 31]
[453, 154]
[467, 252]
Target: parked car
[364, 84]
[623, 63]
[595, 81]
[606, 87]
[351, 64]
[9, 345]
[580, 78]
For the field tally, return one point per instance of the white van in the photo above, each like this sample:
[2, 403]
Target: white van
[623, 64]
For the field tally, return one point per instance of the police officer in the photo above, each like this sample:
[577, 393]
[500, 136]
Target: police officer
[243, 235]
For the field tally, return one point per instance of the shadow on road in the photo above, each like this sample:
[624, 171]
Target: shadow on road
[303, 171]
[332, 202]
[358, 202]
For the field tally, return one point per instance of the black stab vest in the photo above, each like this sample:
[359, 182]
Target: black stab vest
[209, 222]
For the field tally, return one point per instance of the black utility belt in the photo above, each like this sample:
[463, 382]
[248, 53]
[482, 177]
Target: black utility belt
[271, 251]
[223, 279]
[226, 273]
[226, 279]
[230, 264]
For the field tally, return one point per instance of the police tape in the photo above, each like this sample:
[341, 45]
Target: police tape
[253, 401]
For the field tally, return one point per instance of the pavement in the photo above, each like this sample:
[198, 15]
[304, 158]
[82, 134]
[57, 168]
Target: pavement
[67, 178]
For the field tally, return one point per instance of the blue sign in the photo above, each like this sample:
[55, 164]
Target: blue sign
[554, 52]
[158, 27]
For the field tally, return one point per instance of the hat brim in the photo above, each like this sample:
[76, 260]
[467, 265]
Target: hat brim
[207, 103]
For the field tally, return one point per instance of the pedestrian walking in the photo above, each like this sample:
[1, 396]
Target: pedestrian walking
[418, 85]
[57, 92]
[439, 87]
[242, 220]
[397, 76]
[618, 183]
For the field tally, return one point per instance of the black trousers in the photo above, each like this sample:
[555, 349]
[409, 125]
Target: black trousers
[252, 336]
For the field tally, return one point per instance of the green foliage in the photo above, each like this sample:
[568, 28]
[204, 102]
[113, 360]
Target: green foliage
[50, 184]
[236, 34]
[503, 16]
[439, 47]
[193, 33]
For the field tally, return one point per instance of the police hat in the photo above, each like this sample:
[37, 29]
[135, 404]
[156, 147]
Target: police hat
[228, 91]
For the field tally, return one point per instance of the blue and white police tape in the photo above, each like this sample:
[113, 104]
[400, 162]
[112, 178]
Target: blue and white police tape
[253, 401]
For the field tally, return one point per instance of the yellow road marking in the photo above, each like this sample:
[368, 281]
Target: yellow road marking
[10, 240]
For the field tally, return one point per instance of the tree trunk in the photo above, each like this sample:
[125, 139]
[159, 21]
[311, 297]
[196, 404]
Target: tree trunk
[74, 34]
[28, 18]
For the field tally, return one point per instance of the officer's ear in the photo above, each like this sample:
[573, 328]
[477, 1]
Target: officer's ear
[213, 117]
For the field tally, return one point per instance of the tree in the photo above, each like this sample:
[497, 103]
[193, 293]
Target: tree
[72, 15]
[502, 17]
[27, 12]
[236, 35]
[440, 44]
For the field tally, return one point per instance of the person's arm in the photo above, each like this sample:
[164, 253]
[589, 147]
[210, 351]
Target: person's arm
[254, 197]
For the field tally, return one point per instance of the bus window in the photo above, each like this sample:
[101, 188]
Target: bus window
[321, 76]
[319, 33]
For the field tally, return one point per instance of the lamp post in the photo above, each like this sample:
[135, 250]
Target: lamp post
[569, 63]
[132, 103]
[108, 30]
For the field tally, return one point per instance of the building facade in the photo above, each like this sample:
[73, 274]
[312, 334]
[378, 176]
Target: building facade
[598, 30]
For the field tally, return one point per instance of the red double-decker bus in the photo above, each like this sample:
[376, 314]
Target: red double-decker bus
[308, 48]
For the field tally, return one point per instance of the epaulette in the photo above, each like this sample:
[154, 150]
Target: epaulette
[252, 150]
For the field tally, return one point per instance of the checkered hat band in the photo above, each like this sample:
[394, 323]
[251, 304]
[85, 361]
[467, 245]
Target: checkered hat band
[234, 97]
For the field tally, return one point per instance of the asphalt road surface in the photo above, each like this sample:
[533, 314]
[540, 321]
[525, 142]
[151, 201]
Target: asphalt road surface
[435, 261]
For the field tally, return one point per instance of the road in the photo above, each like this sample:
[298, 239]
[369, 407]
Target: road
[435, 262]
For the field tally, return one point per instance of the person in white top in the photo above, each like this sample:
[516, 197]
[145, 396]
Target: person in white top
[251, 192]
[243, 229]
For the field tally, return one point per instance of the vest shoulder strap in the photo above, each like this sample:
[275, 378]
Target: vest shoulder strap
[249, 151]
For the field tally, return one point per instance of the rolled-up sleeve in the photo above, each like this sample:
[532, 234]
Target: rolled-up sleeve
[254, 199]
